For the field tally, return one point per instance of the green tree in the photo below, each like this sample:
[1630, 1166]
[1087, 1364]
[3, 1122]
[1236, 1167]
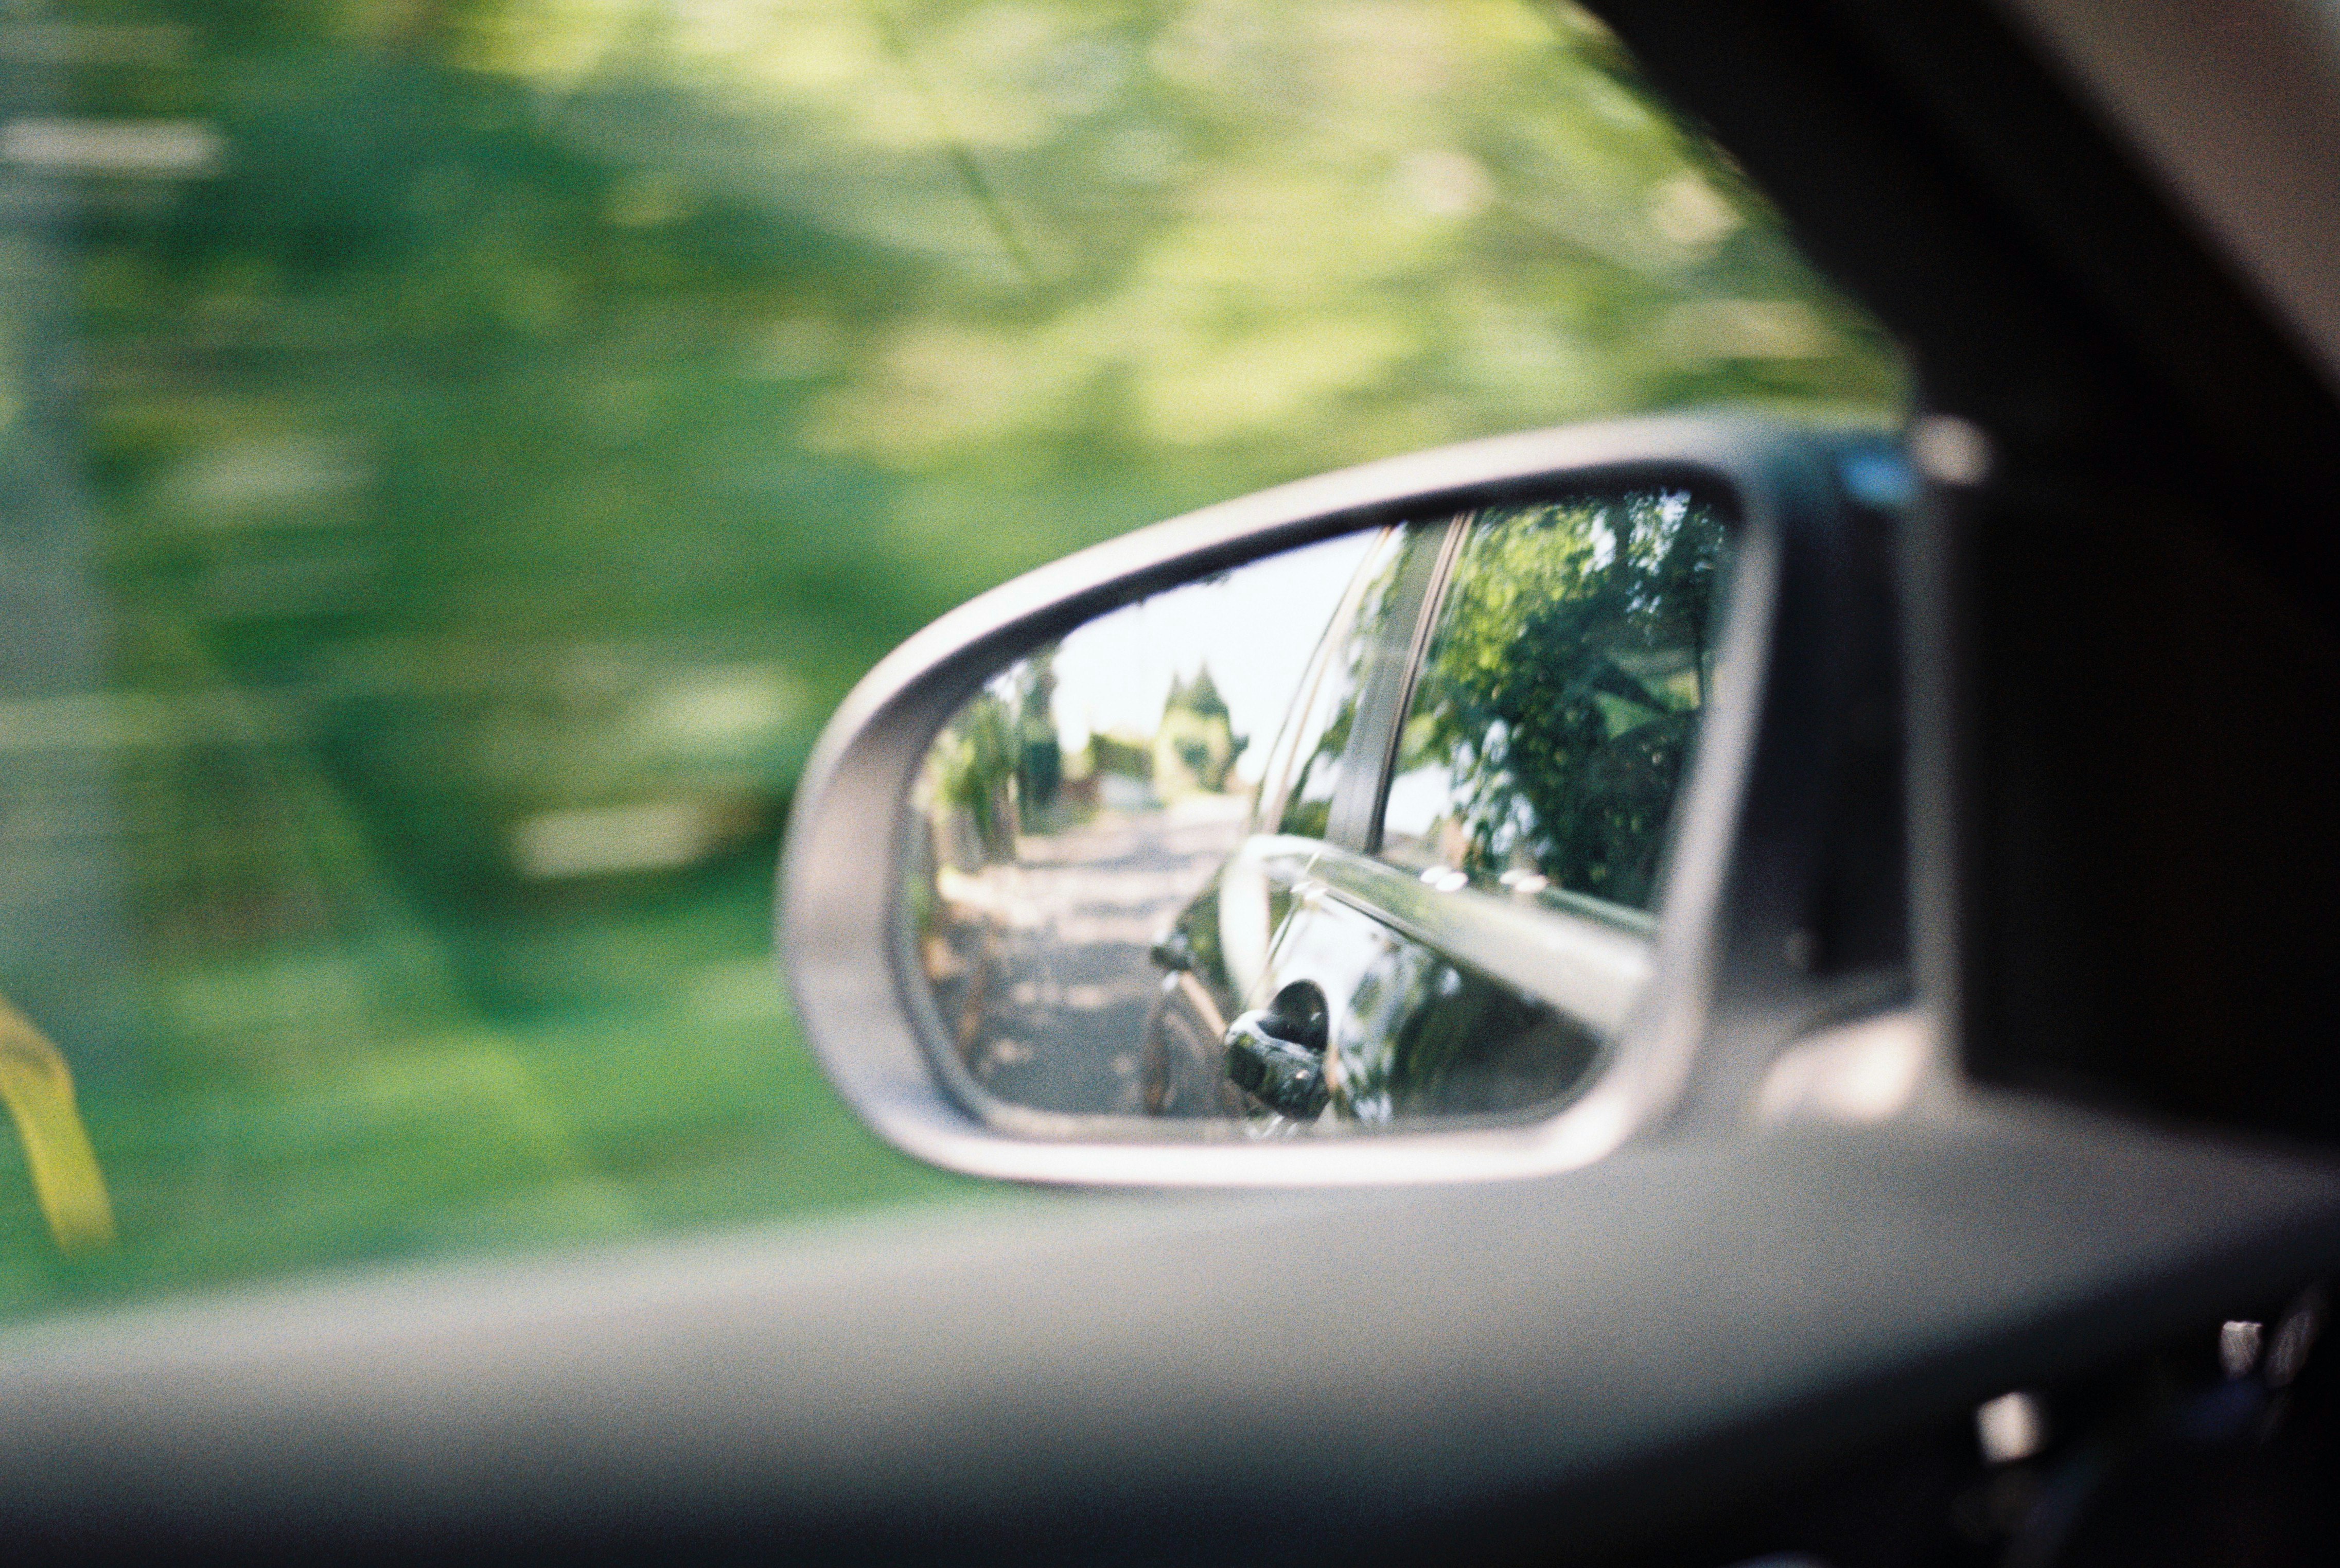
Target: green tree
[1561, 690]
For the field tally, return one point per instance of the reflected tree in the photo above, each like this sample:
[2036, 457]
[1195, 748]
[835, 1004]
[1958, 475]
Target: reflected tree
[974, 765]
[1196, 747]
[1561, 691]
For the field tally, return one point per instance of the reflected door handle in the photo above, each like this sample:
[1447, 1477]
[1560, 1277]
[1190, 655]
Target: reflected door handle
[1277, 1052]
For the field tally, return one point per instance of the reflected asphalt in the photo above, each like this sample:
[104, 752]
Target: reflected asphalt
[1066, 983]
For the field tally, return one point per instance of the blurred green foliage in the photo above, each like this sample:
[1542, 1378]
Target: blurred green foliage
[473, 443]
[1560, 696]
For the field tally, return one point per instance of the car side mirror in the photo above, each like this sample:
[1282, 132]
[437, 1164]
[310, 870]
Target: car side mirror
[1463, 814]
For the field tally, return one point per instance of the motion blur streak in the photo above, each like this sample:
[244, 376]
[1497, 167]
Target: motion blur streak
[40, 1096]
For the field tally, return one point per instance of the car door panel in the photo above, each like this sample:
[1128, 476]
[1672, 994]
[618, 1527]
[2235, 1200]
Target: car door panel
[1415, 1033]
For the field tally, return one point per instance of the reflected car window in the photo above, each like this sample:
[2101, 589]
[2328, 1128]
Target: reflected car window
[1552, 720]
[1359, 638]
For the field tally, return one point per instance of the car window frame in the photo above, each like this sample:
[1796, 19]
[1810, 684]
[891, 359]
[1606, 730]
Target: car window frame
[1573, 902]
[1355, 822]
[1285, 766]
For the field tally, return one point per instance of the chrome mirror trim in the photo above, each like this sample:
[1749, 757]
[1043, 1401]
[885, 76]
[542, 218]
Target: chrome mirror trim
[838, 932]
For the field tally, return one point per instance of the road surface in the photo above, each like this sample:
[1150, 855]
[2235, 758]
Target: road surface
[1054, 983]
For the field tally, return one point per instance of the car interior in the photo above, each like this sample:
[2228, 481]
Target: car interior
[1876, 1110]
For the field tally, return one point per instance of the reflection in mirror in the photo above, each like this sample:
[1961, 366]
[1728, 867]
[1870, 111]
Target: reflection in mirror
[1367, 833]
[1557, 698]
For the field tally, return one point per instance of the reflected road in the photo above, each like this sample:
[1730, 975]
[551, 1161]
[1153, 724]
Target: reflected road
[1052, 1013]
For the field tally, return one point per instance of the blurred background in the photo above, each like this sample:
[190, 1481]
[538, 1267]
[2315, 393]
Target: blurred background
[454, 455]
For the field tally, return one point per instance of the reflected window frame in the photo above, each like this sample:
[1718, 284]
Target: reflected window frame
[1722, 509]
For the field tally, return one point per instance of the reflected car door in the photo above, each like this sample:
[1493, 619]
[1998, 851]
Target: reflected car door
[1217, 955]
[1475, 922]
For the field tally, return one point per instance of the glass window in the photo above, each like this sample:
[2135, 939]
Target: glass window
[453, 458]
[1358, 642]
[1552, 719]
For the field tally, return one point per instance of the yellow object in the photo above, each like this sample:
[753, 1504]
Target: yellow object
[40, 1096]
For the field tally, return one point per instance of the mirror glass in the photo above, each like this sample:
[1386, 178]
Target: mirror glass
[1361, 834]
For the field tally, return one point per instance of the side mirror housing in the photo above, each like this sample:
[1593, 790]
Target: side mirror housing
[1564, 818]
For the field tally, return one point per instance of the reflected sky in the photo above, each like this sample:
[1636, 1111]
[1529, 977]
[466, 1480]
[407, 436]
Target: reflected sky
[1252, 628]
